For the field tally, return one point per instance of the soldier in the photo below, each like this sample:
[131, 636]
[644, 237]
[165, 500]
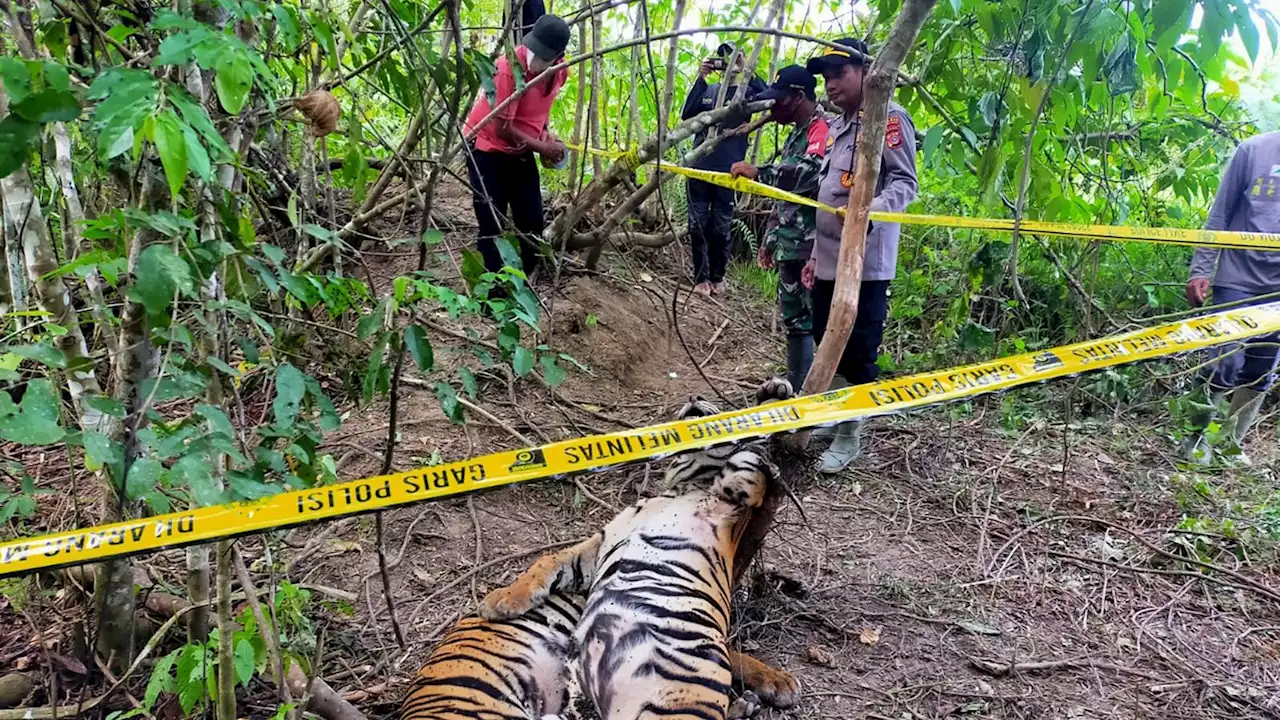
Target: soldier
[789, 238]
[1248, 200]
[896, 186]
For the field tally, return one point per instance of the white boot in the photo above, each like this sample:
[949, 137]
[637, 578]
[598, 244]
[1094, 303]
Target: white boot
[844, 449]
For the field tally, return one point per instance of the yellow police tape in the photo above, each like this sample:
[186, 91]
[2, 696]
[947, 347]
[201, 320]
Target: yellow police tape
[1174, 236]
[601, 451]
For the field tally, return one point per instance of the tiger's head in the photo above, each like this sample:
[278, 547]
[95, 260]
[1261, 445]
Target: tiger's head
[744, 479]
[697, 406]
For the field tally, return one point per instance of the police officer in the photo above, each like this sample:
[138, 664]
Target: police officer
[711, 206]
[1248, 200]
[789, 237]
[843, 70]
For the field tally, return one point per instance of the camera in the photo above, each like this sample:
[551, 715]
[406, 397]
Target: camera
[718, 63]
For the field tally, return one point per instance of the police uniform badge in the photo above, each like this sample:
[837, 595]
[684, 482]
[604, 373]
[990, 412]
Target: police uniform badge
[893, 132]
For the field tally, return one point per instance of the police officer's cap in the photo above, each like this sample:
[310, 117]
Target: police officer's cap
[789, 79]
[853, 52]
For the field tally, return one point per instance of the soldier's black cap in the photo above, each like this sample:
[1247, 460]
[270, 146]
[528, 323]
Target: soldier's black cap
[789, 79]
[853, 52]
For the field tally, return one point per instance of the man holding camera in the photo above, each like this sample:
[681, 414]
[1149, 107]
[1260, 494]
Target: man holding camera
[501, 166]
[711, 206]
[789, 237]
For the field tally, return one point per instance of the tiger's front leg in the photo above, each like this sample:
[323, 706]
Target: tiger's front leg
[571, 569]
[774, 685]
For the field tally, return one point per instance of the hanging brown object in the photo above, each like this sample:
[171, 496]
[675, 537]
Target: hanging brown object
[321, 110]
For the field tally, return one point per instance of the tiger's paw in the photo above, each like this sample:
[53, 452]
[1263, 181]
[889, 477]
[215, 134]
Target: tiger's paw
[776, 388]
[506, 603]
[775, 686]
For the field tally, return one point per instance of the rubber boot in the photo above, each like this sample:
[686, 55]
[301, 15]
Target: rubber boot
[1196, 449]
[828, 432]
[844, 449]
[799, 358]
[1245, 403]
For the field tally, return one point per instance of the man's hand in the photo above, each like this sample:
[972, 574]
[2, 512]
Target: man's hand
[764, 257]
[744, 169]
[809, 274]
[705, 69]
[1197, 291]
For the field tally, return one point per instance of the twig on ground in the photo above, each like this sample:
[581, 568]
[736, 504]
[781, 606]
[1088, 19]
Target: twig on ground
[275, 659]
[999, 668]
[475, 523]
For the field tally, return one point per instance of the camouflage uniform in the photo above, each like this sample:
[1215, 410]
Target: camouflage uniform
[789, 237]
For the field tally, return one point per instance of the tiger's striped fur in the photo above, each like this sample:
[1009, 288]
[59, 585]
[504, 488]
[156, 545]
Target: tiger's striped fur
[510, 669]
[653, 637]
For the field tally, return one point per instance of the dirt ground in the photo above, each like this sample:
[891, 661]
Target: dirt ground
[975, 562]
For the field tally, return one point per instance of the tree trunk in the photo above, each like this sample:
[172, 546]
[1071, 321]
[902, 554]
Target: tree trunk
[40, 257]
[878, 91]
[593, 105]
[633, 119]
[72, 224]
[226, 700]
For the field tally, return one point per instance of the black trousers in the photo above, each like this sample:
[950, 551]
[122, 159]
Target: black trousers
[710, 210]
[858, 364]
[502, 182]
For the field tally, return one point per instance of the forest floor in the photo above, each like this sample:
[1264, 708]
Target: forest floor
[977, 561]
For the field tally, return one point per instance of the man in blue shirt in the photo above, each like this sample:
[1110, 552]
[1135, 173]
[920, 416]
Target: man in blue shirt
[711, 206]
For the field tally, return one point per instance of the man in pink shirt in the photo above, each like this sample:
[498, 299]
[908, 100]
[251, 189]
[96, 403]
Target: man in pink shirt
[500, 161]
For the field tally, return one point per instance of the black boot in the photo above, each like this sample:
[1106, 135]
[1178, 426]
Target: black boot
[799, 358]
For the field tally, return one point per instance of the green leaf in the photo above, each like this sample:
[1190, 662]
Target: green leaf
[472, 267]
[101, 451]
[1248, 31]
[144, 478]
[17, 140]
[507, 250]
[246, 487]
[522, 361]
[449, 403]
[217, 419]
[17, 78]
[932, 140]
[372, 322]
[194, 471]
[291, 386]
[37, 421]
[329, 420]
[51, 106]
[160, 276]
[161, 679]
[553, 373]
[106, 405]
[469, 385]
[433, 237]
[43, 353]
[244, 661]
[233, 80]
[197, 156]
[415, 338]
[221, 366]
[90, 259]
[171, 146]
[127, 99]
[1170, 19]
[287, 22]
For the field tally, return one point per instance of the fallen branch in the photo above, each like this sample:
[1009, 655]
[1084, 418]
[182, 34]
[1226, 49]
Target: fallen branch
[477, 569]
[999, 668]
